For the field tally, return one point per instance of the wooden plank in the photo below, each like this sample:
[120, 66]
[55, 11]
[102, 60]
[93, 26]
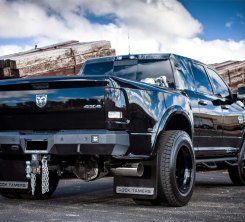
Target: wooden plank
[67, 71]
[7, 72]
[233, 72]
[1, 73]
[1, 64]
[51, 65]
[59, 53]
[46, 61]
[53, 46]
[59, 59]
[10, 63]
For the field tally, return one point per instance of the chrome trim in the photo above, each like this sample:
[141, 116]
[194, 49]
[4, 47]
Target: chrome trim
[228, 137]
[227, 149]
[129, 170]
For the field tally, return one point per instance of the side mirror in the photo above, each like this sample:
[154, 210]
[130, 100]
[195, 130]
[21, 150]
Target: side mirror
[241, 92]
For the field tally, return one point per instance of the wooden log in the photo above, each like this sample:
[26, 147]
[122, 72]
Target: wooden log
[1, 64]
[60, 59]
[10, 63]
[50, 66]
[68, 71]
[10, 73]
[1, 73]
[59, 53]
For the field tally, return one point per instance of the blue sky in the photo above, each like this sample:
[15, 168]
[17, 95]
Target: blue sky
[222, 19]
[185, 27]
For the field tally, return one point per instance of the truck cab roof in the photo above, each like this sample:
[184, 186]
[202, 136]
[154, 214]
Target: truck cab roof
[150, 56]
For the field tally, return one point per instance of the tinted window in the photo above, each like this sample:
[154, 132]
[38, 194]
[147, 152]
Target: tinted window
[220, 87]
[137, 70]
[155, 68]
[126, 69]
[100, 68]
[201, 79]
[184, 77]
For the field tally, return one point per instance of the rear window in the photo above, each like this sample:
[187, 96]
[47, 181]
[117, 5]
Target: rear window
[100, 68]
[155, 69]
[126, 69]
[150, 71]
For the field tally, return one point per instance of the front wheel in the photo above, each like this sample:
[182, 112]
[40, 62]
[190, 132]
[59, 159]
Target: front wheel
[176, 168]
[237, 173]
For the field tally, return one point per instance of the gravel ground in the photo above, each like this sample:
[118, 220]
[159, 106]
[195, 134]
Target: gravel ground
[214, 199]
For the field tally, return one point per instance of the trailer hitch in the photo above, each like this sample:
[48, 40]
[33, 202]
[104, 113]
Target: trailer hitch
[38, 166]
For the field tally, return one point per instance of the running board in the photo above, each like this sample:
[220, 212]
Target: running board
[212, 163]
[216, 160]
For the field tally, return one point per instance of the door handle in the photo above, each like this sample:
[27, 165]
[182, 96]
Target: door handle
[203, 103]
[224, 107]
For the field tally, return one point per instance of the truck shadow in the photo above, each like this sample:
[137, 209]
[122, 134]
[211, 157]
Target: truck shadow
[101, 191]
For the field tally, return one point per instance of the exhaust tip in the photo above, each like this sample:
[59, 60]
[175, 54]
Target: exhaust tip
[139, 169]
[129, 170]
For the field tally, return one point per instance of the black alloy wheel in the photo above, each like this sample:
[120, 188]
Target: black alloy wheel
[177, 168]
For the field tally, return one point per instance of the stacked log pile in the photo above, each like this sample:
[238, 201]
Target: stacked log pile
[8, 69]
[233, 72]
[60, 59]
[67, 58]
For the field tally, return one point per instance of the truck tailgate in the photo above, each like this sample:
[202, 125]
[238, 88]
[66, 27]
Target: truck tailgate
[52, 104]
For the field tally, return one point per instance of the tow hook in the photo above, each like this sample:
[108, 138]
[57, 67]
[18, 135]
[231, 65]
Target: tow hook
[38, 166]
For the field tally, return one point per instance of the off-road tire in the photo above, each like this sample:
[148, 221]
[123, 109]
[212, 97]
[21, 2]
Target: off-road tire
[176, 168]
[237, 178]
[237, 173]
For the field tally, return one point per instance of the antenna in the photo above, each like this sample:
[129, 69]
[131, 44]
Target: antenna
[128, 43]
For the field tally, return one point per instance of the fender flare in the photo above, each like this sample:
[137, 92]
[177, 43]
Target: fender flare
[167, 116]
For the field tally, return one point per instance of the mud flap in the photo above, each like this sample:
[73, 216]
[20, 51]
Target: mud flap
[13, 177]
[144, 187]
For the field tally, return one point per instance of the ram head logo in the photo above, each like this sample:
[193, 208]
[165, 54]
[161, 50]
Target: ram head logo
[41, 100]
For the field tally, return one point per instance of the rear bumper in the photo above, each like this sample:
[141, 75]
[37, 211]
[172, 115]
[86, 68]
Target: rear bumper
[67, 142]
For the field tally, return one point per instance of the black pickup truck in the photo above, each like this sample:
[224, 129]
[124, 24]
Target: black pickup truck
[149, 120]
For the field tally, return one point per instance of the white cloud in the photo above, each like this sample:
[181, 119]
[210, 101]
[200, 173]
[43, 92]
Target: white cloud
[228, 24]
[9, 49]
[153, 25]
[210, 51]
